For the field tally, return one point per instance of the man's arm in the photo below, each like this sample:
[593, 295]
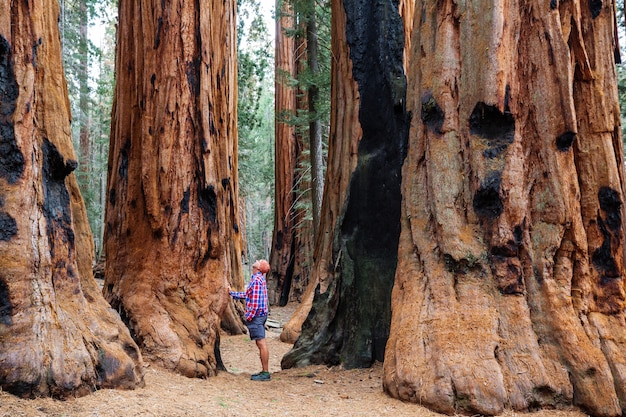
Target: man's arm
[236, 294]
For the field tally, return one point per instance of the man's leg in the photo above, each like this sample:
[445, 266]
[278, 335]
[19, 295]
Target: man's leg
[264, 353]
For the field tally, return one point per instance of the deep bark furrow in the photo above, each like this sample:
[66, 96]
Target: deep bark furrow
[530, 275]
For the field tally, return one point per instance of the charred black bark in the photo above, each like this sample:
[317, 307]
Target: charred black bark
[286, 284]
[11, 158]
[57, 204]
[350, 322]
[432, 115]
[6, 306]
[8, 226]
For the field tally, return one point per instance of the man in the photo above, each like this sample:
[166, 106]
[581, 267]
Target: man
[256, 313]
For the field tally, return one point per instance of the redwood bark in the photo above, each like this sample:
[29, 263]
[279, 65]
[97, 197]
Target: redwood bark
[350, 315]
[407, 12]
[173, 239]
[58, 336]
[509, 291]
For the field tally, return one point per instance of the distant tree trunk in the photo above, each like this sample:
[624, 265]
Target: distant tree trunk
[350, 316]
[173, 240]
[83, 101]
[303, 225]
[58, 336]
[510, 284]
[282, 253]
[315, 125]
[303, 258]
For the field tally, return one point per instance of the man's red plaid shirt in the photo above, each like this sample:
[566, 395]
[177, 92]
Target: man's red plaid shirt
[255, 295]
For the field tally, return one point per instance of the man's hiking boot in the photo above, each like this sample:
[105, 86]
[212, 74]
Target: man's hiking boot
[261, 376]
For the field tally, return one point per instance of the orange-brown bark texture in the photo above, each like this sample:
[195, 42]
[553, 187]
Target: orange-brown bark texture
[407, 12]
[58, 336]
[509, 291]
[173, 240]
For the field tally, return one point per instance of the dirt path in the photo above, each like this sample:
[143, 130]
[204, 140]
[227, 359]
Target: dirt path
[313, 391]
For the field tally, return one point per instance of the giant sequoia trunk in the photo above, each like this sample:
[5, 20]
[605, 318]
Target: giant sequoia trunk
[173, 240]
[350, 316]
[58, 336]
[509, 290]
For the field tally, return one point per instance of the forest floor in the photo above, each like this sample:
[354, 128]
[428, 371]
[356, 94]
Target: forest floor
[312, 391]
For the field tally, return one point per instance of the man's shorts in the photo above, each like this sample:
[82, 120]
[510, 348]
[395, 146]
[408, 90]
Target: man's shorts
[256, 327]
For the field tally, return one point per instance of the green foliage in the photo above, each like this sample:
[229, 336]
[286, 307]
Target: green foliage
[100, 132]
[308, 79]
[89, 70]
[255, 61]
[73, 24]
[256, 126]
[256, 177]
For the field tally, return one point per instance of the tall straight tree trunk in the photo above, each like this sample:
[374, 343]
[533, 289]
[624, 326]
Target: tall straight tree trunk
[315, 125]
[510, 284]
[173, 241]
[282, 253]
[350, 315]
[58, 336]
[83, 100]
[303, 225]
